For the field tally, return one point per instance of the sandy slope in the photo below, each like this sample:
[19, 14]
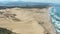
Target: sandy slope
[32, 21]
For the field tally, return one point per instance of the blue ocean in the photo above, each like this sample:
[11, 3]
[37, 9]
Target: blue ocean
[55, 17]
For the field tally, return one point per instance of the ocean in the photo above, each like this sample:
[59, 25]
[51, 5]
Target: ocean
[55, 18]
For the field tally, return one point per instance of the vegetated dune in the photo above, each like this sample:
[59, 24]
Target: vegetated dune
[26, 20]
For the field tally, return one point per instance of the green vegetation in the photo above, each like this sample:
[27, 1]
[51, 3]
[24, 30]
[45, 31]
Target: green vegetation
[5, 31]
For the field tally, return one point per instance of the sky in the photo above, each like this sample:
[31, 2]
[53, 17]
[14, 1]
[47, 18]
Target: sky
[43, 1]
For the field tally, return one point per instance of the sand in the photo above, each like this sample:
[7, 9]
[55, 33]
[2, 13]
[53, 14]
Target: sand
[29, 21]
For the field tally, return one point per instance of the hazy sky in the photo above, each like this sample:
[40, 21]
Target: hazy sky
[48, 1]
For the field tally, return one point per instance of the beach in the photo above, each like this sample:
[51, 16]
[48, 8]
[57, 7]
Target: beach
[27, 20]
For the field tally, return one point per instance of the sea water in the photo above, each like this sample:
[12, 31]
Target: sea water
[55, 18]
